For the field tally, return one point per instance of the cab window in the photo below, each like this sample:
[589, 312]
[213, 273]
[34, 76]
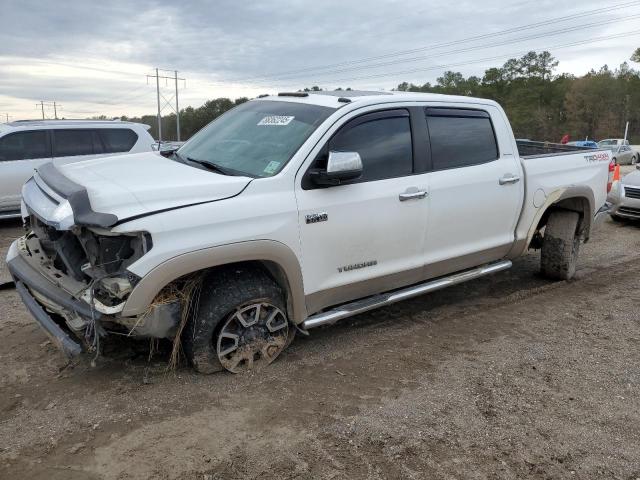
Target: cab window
[460, 137]
[384, 146]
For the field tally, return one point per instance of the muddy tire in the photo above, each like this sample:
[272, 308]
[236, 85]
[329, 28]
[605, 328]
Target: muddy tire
[560, 245]
[241, 311]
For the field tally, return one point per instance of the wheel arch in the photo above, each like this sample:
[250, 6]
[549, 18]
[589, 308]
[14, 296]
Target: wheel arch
[275, 257]
[577, 199]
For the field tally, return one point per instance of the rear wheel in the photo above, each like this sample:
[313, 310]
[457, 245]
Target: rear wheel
[634, 160]
[560, 245]
[240, 324]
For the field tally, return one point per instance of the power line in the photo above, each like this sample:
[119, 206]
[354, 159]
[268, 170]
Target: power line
[132, 95]
[463, 50]
[482, 60]
[444, 44]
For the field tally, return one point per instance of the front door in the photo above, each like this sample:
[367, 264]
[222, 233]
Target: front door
[367, 236]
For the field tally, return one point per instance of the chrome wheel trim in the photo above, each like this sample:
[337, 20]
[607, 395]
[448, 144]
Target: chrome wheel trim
[252, 337]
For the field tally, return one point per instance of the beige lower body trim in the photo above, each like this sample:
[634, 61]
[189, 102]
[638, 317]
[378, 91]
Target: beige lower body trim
[335, 296]
[275, 253]
[346, 293]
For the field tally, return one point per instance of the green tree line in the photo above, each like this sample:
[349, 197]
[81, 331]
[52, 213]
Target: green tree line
[540, 104]
[545, 106]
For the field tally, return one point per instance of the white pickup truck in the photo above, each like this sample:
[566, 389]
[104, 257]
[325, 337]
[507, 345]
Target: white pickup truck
[295, 211]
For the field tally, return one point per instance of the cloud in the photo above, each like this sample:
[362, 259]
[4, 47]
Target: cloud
[94, 56]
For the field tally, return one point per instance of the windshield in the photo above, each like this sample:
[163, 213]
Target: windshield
[257, 138]
[607, 143]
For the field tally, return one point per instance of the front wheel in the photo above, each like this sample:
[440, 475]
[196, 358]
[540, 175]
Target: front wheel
[560, 245]
[634, 160]
[240, 325]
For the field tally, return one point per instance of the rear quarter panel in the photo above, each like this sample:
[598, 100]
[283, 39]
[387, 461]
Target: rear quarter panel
[552, 178]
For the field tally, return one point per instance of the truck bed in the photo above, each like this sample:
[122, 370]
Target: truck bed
[529, 148]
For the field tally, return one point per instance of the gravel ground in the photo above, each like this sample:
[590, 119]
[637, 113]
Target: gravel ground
[509, 376]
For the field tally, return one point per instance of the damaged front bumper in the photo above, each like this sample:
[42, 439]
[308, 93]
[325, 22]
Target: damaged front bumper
[26, 276]
[65, 316]
[72, 272]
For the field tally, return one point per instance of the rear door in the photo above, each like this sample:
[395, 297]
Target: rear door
[20, 154]
[476, 188]
[366, 236]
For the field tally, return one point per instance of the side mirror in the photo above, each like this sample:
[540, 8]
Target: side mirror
[341, 167]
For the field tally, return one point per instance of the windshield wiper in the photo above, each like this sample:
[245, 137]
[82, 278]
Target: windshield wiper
[211, 166]
[179, 157]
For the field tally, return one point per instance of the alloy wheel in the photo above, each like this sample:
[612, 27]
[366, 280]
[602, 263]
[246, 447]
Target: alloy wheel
[252, 337]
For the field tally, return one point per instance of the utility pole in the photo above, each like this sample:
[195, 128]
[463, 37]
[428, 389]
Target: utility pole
[159, 114]
[175, 78]
[44, 103]
[626, 132]
[177, 108]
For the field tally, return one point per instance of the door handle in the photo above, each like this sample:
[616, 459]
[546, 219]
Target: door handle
[412, 195]
[507, 179]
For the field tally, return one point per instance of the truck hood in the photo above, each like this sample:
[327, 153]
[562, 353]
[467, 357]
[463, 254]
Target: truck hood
[138, 184]
[632, 179]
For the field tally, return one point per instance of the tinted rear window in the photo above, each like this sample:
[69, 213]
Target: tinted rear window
[458, 140]
[71, 142]
[25, 145]
[118, 139]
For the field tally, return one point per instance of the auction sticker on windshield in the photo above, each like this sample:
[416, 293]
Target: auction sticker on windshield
[271, 167]
[276, 120]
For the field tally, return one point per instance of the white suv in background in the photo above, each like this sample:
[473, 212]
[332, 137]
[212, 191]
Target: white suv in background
[25, 145]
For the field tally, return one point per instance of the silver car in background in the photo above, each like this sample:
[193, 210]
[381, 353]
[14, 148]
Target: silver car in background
[625, 197]
[622, 152]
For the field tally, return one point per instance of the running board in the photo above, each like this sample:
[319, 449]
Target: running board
[8, 215]
[360, 306]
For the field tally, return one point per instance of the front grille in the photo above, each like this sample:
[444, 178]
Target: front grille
[629, 211]
[630, 192]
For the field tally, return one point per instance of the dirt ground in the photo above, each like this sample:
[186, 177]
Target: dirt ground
[510, 376]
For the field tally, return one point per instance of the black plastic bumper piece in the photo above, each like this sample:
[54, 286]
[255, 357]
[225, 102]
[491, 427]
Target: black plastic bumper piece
[25, 273]
[57, 335]
[25, 276]
[77, 197]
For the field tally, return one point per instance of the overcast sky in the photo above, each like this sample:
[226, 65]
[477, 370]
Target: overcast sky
[93, 57]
